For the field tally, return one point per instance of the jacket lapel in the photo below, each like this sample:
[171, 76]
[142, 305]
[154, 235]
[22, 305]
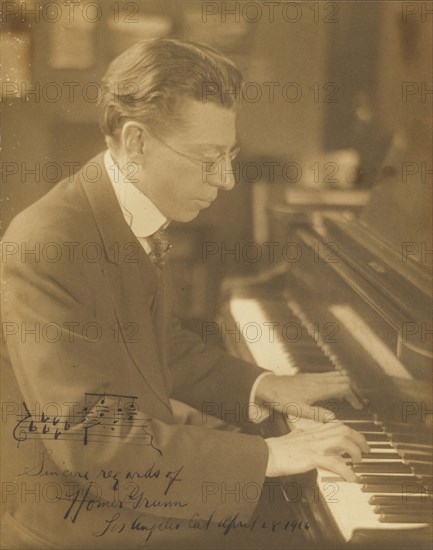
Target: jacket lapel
[161, 313]
[132, 278]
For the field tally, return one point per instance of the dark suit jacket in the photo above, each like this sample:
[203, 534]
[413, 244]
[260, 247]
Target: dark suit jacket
[90, 277]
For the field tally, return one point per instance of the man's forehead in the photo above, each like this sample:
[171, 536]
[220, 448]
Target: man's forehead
[209, 124]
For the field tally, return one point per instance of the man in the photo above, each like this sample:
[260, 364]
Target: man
[102, 362]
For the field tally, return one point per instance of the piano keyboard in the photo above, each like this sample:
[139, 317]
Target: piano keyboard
[275, 352]
[377, 502]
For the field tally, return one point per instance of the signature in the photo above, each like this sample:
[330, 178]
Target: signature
[136, 499]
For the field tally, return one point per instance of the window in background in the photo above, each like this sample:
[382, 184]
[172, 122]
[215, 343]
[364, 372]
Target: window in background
[16, 58]
[72, 40]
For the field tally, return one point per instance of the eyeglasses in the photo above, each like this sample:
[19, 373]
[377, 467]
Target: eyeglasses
[231, 155]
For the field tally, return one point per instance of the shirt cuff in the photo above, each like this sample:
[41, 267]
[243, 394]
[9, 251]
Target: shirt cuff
[252, 411]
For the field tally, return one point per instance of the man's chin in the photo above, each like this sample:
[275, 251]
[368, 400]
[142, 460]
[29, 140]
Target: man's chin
[186, 217]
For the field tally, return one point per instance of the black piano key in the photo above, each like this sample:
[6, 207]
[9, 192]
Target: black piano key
[346, 416]
[409, 438]
[380, 455]
[404, 488]
[381, 467]
[412, 510]
[401, 500]
[382, 488]
[402, 427]
[347, 412]
[386, 480]
[365, 427]
[415, 447]
[423, 469]
[422, 456]
[427, 484]
[403, 518]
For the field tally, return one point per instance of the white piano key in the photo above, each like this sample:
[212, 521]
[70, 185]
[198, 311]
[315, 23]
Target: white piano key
[267, 353]
[351, 510]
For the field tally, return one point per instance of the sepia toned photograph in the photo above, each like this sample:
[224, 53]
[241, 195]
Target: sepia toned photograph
[216, 275]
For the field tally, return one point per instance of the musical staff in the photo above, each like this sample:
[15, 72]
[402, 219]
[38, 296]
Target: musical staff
[104, 417]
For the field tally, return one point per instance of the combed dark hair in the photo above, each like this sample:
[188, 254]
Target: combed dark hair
[149, 80]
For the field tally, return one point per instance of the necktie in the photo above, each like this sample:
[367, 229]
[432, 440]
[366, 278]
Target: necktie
[160, 247]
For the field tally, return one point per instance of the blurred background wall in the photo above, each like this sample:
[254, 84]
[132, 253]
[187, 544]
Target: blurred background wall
[322, 77]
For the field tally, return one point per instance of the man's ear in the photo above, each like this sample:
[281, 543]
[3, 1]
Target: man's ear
[134, 141]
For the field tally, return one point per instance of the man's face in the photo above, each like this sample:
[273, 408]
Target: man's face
[180, 186]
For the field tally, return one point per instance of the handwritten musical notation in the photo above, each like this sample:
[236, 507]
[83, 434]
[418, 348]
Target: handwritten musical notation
[103, 416]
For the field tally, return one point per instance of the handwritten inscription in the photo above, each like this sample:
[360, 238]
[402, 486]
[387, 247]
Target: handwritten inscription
[40, 469]
[129, 500]
[228, 524]
[103, 416]
[136, 499]
[97, 487]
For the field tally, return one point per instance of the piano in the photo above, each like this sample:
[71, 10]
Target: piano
[358, 299]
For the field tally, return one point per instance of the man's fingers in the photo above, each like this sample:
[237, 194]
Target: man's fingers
[353, 400]
[337, 432]
[357, 438]
[337, 466]
[311, 412]
[346, 446]
[341, 430]
[331, 381]
[320, 386]
[319, 414]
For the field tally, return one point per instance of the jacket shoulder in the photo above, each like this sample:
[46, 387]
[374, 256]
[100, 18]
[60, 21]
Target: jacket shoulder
[62, 213]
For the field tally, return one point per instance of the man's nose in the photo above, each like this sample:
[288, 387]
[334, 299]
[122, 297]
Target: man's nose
[221, 175]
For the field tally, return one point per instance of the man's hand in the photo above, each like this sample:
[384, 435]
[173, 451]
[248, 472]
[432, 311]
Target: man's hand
[304, 390]
[321, 446]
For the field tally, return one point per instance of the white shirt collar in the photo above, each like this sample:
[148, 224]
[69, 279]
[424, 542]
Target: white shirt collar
[140, 213]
